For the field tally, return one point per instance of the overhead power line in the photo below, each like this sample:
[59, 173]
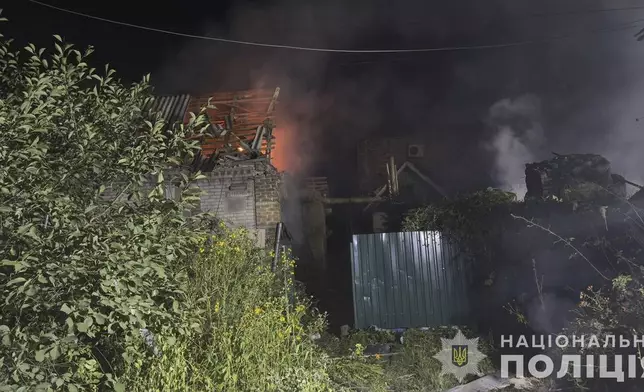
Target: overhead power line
[617, 28]
[357, 51]
[582, 12]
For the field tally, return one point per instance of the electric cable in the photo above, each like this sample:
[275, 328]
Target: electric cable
[331, 50]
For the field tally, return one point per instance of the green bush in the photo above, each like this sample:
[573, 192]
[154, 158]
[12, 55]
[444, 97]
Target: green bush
[253, 335]
[462, 216]
[470, 219]
[80, 272]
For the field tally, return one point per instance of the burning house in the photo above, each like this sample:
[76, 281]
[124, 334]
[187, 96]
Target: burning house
[242, 187]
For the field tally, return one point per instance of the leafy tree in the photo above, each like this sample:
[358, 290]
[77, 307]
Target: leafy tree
[89, 255]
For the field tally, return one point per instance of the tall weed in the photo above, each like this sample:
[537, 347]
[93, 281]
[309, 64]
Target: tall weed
[253, 333]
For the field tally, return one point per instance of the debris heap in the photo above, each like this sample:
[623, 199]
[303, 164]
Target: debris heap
[574, 178]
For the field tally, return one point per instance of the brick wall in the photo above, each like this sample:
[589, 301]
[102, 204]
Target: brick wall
[230, 194]
[247, 195]
[268, 210]
[267, 200]
[244, 195]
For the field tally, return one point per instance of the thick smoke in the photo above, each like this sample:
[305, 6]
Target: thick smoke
[518, 140]
[584, 92]
[591, 93]
[330, 101]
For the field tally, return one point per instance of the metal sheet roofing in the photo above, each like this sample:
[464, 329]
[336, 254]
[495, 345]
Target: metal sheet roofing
[172, 108]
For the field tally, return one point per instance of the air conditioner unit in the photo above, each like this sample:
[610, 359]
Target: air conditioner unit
[415, 151]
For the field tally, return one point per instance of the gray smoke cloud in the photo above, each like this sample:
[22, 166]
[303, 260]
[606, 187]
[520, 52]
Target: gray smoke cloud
[625, 141]
[589, 100]
[581, 94]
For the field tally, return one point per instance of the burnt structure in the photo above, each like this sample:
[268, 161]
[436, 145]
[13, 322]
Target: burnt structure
[575, 178]
[241, 187]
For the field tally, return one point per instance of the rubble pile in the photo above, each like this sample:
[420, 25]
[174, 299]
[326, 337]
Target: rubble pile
[574, 178]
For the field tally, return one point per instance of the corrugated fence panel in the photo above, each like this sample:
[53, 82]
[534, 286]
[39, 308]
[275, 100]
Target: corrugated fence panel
[408, 280]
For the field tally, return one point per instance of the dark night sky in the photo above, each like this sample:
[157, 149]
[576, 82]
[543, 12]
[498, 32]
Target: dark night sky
[484, 112]
[132, 52]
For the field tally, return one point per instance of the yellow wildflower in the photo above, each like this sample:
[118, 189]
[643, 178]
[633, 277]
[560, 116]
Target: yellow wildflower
[378, 356]
[217, 307]
[258, 310]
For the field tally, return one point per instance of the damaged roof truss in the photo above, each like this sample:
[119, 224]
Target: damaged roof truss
[241, 123]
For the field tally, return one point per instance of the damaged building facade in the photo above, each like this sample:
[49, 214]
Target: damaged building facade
[241, 187]
[415, 187]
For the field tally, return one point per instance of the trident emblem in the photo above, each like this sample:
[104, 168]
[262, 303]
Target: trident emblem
[459, 355]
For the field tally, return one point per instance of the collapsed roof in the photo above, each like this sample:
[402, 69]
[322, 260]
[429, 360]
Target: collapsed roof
[241, 124]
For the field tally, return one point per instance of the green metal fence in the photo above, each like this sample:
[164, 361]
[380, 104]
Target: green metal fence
[408, 280]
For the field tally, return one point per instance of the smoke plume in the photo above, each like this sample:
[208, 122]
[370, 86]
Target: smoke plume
[518, 139]
[578, 94]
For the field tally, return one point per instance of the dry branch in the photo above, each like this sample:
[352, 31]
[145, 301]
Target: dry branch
[531, 223]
